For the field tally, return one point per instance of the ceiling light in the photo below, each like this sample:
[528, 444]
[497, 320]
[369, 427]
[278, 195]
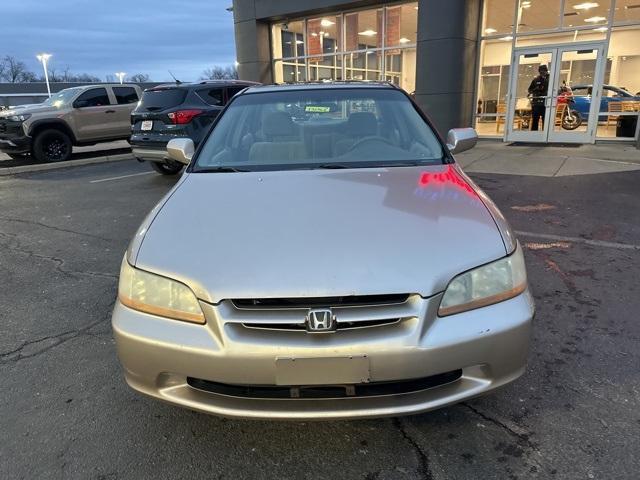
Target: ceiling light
[586, 5]
[299, 42]
[404, 40]
[314, 34]
[508, 38]
[595, 19]
[326, 23]
[489, 31]
[600, 29]
[525, 4]
[368, 33]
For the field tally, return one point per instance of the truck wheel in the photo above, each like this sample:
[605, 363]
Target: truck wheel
[168, 167]
[52, 146]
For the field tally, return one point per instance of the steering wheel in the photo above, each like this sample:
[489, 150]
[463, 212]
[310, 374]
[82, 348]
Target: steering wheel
[371, 139]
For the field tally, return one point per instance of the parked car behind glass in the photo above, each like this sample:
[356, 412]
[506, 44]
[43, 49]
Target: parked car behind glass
[582, 99]
[174, 111]
[335, 265]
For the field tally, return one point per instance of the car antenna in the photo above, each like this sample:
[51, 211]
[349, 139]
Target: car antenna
[178, 82]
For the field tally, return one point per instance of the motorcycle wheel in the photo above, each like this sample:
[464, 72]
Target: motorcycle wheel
[571, 120]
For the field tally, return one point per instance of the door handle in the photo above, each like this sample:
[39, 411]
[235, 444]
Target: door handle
[110, 111]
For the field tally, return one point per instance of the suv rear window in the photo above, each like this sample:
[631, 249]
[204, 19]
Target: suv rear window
[213, 96]
[162, 98]
[125, 95]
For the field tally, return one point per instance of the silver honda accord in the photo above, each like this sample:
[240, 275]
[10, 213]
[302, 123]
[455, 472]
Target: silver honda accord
[334, 262]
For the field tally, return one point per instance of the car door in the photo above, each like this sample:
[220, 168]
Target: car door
[126, 98]
[92, 115]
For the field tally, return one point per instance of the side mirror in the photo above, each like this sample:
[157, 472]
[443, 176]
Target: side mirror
[181, 150]
[461, 139]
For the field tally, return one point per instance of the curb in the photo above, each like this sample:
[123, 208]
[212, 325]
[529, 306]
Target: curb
[69, 163]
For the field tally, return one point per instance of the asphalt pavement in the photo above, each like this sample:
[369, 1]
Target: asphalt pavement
[67, 413]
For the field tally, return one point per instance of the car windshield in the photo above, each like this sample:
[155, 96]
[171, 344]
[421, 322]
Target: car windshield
[323, 128]
[63, 97]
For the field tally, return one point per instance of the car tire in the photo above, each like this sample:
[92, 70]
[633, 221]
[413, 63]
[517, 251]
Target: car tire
[168, 167]
[52, 146]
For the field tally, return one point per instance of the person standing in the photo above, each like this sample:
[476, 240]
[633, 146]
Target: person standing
[538, 92]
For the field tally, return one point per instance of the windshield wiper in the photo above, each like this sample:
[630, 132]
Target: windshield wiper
[222, 169]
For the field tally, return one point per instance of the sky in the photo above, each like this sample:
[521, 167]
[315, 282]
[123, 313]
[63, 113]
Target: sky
[101, 37]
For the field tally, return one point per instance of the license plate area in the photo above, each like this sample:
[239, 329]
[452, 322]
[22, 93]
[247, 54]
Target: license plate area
[146, 125]
[322, 371]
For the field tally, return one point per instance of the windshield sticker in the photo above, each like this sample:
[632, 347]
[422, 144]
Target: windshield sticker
[317, 109]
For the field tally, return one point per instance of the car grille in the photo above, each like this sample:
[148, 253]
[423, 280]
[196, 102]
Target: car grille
[326, 391]
[350, 311]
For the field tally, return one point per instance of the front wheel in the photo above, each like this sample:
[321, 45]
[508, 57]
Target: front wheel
[168, 167]
[52, 146]
[571, 120]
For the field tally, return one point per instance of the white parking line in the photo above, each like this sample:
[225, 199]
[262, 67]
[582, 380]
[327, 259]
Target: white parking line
[120, 177]
[586, 241]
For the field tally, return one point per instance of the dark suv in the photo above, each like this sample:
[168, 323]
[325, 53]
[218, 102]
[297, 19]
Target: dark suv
[174, 111]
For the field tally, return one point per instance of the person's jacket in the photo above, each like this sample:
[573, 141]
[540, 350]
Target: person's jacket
[538, 89]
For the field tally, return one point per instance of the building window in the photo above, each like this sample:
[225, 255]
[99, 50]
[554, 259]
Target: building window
[371, 44]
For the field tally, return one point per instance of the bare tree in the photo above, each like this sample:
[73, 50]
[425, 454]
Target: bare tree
[218, 72]
[139, 78]
[15, 71]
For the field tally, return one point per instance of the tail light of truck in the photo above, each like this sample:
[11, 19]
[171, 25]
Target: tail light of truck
[181, 117]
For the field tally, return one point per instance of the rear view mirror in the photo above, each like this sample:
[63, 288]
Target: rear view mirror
[181, 150]
[461, 139]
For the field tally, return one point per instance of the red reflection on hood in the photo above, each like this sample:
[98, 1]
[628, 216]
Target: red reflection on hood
[450, 176]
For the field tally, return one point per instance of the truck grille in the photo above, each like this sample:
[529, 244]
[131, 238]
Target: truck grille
[350, 311]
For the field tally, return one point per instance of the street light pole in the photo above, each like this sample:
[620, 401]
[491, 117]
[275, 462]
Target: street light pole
[43, 57]
[120, 75]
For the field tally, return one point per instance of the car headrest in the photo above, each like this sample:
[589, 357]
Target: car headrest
[362, 124]
[278, 124]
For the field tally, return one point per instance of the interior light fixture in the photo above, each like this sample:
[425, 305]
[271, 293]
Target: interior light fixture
[314, 34]
[508, 38]
[368, 33]
[595, 19]
[600, 29]
[526, 4]
[326, 23]
[404, 40]
[586, 5]
[489, 31]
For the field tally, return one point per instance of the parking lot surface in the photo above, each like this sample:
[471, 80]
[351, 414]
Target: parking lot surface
[67, 413]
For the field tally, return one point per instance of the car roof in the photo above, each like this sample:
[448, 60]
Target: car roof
[318, 86]
[189, 85]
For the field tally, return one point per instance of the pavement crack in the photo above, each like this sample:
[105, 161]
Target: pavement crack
[51, 227]
[59, 262]
[424, 469]
[522, 437]
[51, 341]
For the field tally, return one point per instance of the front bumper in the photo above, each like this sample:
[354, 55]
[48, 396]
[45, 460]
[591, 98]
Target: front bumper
[490, 346]
[13, 139]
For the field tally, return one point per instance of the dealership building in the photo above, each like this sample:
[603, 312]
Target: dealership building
[467, 62]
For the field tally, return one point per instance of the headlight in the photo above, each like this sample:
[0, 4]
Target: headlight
[19, 118]
[157, 295]
[485, 285]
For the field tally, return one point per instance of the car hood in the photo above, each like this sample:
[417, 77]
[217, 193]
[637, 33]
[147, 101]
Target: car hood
[320, 233]
[28, 109]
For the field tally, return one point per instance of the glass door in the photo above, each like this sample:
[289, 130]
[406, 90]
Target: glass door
[542, 106]
[573, 115]
[530, 94]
